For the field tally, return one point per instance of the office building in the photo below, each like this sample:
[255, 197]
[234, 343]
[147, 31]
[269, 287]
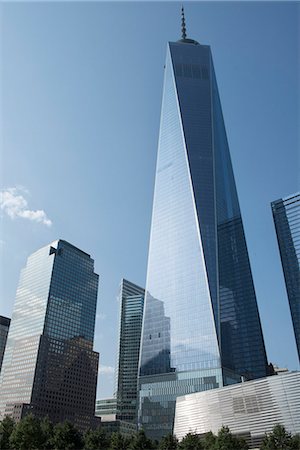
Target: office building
[286, 214]
[249, 409]
[49, 366]
[106, 408]
[201, 326]
[127, 429]
[131, 316]
[280, 370]
[4, 327]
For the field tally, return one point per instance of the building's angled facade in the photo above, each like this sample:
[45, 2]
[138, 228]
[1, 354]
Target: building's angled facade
[131, 317]
[49, 365]
[286, 214]
[249, 409]
[201, 326]
[4, 327]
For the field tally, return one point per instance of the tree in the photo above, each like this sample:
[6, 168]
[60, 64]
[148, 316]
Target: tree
[209, 441]
[96, 440]
[46, 434]
[6, 428]
[141, 442]
[67, 437]
[168, 442]
[191, 442]
[226, 441]
[27, 434]
[295, 445]
[280, 439]
[118, 442]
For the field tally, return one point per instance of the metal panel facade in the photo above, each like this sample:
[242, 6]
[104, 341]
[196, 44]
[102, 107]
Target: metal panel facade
[249, 409]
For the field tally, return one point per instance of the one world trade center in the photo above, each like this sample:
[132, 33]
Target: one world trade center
[201, 327]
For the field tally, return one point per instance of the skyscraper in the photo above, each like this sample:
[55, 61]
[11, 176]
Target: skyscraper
[286, 214]
[4, 327]
[201, 326]
[131, 317]
[49, 365]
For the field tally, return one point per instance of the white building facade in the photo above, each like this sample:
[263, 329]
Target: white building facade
[249, 409]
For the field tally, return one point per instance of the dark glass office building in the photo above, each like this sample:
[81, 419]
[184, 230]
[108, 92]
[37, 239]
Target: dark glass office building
[131, 317]
[286, 214]
[201, 326]
[49, 365]
[4, 327]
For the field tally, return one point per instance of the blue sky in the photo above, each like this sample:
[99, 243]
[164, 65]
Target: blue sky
[81, 96]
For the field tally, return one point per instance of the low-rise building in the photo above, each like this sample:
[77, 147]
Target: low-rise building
[106, 408]
[249, 409]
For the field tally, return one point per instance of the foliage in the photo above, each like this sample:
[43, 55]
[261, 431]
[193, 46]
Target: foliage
[27, 435]
[295, 444]
[67, 437]
[119, 442]
[280, 439]
[96, 440]
[168, 442]
[46, 434]
[32, 433]
[227, 441]
[223, 441]
[209, 441]
[6, 428]
[191, 442]
[141, 442]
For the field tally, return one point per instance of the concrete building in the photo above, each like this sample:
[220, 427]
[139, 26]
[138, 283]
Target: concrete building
[106, 408]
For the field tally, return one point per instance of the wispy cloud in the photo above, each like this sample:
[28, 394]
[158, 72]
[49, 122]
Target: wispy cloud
[106, 370]
[100, 316]
[14, 204]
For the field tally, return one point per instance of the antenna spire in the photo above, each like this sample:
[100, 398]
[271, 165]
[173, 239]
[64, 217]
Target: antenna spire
[183, 28]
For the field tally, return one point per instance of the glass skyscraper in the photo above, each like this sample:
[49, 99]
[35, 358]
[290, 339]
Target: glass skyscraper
[286, 214]
[131, 317]
[49, 365]
[201, 326]
[4, 327]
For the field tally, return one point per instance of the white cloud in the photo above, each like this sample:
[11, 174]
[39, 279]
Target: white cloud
[100, 316]
[106, 370]
[14, 204]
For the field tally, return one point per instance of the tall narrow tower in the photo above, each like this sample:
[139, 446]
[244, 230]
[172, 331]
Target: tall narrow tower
[286, 214]
[131, 317]
[49, 366]
[201, 326]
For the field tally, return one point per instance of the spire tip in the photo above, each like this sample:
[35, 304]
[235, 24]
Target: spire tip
[183, 27]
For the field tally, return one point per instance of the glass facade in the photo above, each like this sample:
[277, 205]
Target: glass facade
[286, 214]
[201, 326]
[131, 316]
[4, 327]
[106, 407]
[49, 364]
